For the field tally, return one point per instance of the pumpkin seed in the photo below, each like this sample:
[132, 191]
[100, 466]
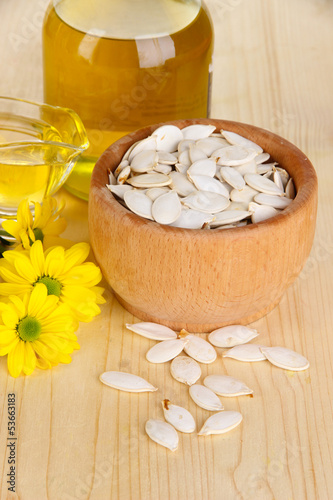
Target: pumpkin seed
[126, 382]
[180, 418]
[226, 386]
[205, 398]
[220, 423]
[185, 370]
[285, 358]
[229, 336]
[152, 331]
[162, 433]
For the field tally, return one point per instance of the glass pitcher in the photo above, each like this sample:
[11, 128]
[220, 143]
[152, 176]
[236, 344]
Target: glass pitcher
[125, 64]
[39, 146]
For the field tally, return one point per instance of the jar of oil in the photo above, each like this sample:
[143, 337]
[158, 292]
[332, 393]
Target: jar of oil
[124, 64]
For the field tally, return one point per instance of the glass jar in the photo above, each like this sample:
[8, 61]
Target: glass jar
[125, 64]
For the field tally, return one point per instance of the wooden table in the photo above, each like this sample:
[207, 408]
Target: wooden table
[77, 439]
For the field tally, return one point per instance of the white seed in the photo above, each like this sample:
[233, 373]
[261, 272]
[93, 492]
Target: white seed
[211, 144]
[152, 331]
[167, 138]
[245, 352]
[184, 158]
[184, 144]
[285, 358]
[192, 219]
[233, 155]
[154, 193]
[162, 433]
[284, 176]
[179, 417]
[262, 212]
[205, 398]
[261, 158]
[119, 189]
[229, 336]
[202, 167]
[165, 351]
[139, 203]
[196, 154]
[244, 195]
[239, 140]
[149, 180]
[278, 202]
[147, 143]
[166, 208]
[290, 189]
[205, 201]
[144, 161]
[124, 175]
[126, 382]
[232, 177]
[181, 184]
[220, 423]
[163, 168]
[265, 168]
[277, 179]
[167, 158]
[229, 216]
[195, 132]
[199, 349]
[207, 183]
[185, 370]
[112, 178]
[226, 386]
[247, 168]
[262, 184]
[128, 152]
[237, 205]
[181, 168]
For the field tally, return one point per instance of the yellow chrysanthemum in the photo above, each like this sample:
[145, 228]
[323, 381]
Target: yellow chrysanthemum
[36, 331]
[45, 225]
[63, 272]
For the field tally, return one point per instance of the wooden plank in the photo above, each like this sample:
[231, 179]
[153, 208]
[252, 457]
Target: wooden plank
[80, 440]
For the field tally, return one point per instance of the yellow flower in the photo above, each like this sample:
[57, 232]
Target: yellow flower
[36, 331]
[46, 225]
[63, 272]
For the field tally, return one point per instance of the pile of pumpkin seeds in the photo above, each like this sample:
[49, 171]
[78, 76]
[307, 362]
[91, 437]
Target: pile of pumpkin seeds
[186, 370]
[197, 177]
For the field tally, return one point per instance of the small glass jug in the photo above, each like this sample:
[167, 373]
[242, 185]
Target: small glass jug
[39, 146]
[125, 64]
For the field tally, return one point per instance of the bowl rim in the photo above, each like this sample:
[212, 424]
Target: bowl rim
[305, 190]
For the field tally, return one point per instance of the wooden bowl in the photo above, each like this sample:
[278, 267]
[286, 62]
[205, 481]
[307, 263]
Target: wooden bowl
[202, 279]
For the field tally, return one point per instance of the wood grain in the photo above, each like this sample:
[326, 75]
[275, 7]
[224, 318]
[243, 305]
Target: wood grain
[80, 440]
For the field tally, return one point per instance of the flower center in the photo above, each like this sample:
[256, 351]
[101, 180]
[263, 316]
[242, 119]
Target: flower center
[53, 286]
[29, 329]
[38, 234]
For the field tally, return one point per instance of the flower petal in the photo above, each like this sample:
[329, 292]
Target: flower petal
[12, 227]
[76, 255]
[37, 258]
[37, 299]
[25, 269]
[14, 288]
[55, 227]
[15, 359]
[10, 318]
[29, 359]
[54, 261]
[19, 305]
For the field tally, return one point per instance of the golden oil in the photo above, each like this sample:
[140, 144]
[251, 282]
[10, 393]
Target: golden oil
[34, 159]
[125, 64]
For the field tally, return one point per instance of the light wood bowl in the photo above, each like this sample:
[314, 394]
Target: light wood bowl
[202, 279]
